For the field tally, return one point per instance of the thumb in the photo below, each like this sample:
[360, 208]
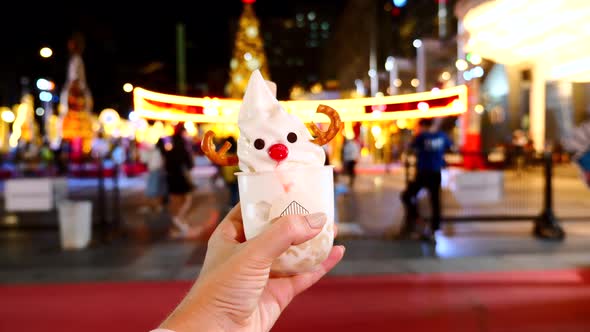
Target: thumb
[283, 233]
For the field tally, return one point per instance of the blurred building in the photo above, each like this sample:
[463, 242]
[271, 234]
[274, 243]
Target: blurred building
[535, 66]
[295, 44]
[369, 32]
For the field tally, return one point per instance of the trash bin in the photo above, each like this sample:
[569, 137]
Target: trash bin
[75, 223]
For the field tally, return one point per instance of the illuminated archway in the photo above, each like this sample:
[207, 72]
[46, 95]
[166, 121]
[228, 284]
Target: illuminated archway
[436, 103]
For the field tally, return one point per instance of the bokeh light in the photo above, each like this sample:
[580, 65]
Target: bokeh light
[461, 64]
[400, 3]
[46, 52]
[8, 116]
[128, 87]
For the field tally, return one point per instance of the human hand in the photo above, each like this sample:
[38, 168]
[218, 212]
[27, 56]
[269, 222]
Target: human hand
[235, 290]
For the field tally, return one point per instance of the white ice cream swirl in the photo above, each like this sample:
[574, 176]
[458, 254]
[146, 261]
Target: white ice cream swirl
[270, 138]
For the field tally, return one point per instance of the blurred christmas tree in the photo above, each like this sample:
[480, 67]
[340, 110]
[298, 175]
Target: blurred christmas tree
[248, 54]
[76, 101]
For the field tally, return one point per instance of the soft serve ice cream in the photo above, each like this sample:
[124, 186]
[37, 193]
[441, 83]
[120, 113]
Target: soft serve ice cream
[270, 138]
[282, 171]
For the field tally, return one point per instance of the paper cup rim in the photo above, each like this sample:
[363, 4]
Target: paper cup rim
[294, 169]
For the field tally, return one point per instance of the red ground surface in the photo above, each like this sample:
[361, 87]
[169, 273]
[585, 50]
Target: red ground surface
[499, 301]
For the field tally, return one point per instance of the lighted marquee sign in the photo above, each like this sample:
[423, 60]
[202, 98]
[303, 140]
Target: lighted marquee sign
[443, 102]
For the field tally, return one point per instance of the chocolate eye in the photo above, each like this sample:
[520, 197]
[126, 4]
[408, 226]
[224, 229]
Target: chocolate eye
[259, 144]
[292, 137]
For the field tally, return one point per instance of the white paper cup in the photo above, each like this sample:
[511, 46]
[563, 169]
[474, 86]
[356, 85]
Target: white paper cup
[265, 196]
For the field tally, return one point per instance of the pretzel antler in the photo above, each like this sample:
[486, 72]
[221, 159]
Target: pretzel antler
[323, 137]
[218, 157]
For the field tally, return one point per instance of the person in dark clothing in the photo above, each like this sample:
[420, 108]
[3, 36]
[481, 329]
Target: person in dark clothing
[60, 158]
[429, 146]
[178, 162]
[351, 152]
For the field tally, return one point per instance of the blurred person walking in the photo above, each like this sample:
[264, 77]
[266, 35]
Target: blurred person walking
[350, 155]
[118, 154]
[47, 158]
[155, 188]
[62, 157]
[519, 143]
[31, 159]
[178, 162]
[429, 145]
[100, 146]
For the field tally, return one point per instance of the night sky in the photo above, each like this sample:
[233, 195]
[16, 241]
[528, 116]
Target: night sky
[121, 43]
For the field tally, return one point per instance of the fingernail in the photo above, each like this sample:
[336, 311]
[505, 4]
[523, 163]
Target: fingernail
[316, 220]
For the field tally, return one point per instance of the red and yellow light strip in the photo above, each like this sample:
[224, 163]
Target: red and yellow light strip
[436, 103]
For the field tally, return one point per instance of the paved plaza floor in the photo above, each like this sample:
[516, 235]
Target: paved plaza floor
[367, 215]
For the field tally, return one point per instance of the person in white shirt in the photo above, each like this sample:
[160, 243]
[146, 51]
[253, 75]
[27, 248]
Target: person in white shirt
[100, 146]
[156, 182]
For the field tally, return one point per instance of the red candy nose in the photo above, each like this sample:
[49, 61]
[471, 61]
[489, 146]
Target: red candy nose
[278, 152]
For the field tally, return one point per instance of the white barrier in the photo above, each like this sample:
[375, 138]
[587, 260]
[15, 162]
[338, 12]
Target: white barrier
[477, 187]
[41, 194]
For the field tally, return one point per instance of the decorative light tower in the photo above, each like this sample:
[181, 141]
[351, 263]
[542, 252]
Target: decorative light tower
[76, 102]
[248, 53]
